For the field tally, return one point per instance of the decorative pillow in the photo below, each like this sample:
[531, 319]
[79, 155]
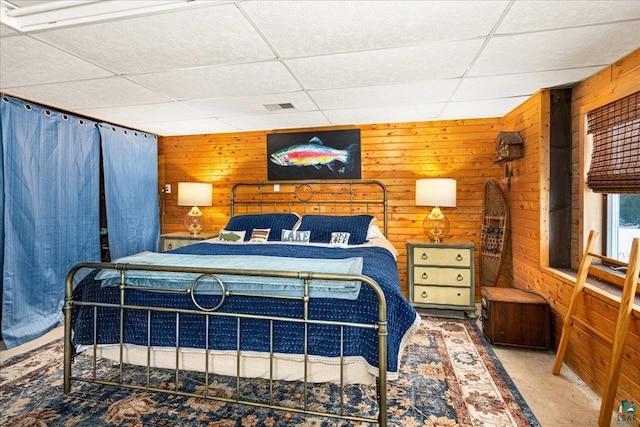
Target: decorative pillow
[321, 227]
[260, 235]
[298, 236]
[340, 238]
[275, 221]
[231, 236]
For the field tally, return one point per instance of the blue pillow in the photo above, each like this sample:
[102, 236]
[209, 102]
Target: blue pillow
[321, 227]
[276, 222]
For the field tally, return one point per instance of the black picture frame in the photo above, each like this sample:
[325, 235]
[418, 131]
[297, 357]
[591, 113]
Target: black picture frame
[314, 155]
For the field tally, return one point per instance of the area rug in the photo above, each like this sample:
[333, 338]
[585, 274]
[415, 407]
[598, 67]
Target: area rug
[450, 376]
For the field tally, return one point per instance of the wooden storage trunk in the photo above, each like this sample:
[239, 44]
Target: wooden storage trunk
[516, 318]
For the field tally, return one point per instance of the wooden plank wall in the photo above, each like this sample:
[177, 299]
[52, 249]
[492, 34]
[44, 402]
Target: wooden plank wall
[524, 193]
[587, 355]
[396, 154]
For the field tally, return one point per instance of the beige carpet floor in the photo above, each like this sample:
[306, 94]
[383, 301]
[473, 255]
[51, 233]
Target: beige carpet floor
[557, 401]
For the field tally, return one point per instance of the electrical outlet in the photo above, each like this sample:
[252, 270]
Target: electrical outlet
[276, 187]
[167, 188]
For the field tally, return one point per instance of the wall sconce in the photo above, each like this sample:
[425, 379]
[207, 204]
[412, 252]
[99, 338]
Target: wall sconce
[436, 192]
[194, 194]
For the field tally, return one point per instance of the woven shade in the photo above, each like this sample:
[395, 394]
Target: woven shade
[615, 163]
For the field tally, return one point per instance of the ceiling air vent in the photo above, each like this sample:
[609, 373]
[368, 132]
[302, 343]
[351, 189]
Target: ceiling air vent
[276, 107]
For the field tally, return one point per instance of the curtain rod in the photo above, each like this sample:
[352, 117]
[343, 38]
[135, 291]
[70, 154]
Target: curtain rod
[82, 116]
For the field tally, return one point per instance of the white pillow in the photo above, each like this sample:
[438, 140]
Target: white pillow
[298, 236]
[373, 232]
[340, 238]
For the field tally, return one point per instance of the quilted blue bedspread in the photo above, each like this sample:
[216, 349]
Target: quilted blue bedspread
[378, 263]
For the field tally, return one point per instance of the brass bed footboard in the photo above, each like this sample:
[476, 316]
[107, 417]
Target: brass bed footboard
[213, 276]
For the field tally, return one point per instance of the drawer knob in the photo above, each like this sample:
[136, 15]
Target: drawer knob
[424, 255]
[459, 258]
[423, 294]
[460, 278]
[425, 275]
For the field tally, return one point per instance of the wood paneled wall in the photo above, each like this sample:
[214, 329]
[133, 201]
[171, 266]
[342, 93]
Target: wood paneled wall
[587, 355]
[396, 154]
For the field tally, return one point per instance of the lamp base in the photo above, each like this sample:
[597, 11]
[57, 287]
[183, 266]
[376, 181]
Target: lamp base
[436, 225]
[193, 223]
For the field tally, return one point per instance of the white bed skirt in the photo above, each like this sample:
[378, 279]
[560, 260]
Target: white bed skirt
[252, 365]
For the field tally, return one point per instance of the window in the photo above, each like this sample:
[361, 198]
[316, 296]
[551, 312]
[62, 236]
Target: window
[623, 224]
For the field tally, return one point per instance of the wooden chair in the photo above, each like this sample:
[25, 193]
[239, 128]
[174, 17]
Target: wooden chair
[629, 285]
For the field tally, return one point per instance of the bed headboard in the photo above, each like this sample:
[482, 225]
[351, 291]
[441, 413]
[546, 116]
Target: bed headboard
[327, 197]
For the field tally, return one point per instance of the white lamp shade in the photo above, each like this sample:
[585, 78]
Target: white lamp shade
[194, 194]
[439, 192]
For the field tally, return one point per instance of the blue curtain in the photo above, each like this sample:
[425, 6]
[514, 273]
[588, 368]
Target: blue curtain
[130, 162]
[50, 164]
[1, 216]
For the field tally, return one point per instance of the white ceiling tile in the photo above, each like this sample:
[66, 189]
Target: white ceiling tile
[253, 105]
[185, 127]
[151, 113]
[478, 109]
[518, 84]
[188, 38]
[297, 28]
[278, 121]
[421, 92]
[558, 49]
[107, 92]
[397, 65]
[538, 15]
[386, 114]
[25, 61]
[223, 81]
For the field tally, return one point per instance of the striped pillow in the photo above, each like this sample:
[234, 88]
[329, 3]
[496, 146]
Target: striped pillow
[322, 227]
[260, 235]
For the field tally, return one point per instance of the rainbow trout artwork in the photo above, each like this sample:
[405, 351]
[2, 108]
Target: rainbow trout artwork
[314, 153]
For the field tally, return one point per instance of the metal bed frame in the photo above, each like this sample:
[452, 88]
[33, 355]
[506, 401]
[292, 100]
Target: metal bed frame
[345, 197]
[337, 197]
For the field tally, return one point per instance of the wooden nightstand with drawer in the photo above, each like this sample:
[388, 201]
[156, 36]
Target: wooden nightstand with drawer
[179, 239]
[441, 278]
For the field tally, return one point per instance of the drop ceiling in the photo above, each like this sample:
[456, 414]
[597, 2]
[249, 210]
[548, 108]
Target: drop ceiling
[178, 68]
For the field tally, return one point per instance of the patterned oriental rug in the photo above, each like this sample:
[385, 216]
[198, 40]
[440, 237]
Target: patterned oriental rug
[450, 377]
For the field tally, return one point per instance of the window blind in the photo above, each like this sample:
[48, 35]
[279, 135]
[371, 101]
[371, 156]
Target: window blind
[615, 162]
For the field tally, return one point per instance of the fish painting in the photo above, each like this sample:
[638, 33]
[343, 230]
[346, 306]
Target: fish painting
[315, 153]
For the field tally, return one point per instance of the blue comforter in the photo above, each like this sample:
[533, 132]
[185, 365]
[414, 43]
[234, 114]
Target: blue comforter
[378, 263]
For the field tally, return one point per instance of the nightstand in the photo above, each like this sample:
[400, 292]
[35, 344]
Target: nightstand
[441, 278]
[179, 239]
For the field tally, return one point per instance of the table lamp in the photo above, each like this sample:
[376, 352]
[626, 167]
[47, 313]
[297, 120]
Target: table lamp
[436, 192]
[194, 194]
